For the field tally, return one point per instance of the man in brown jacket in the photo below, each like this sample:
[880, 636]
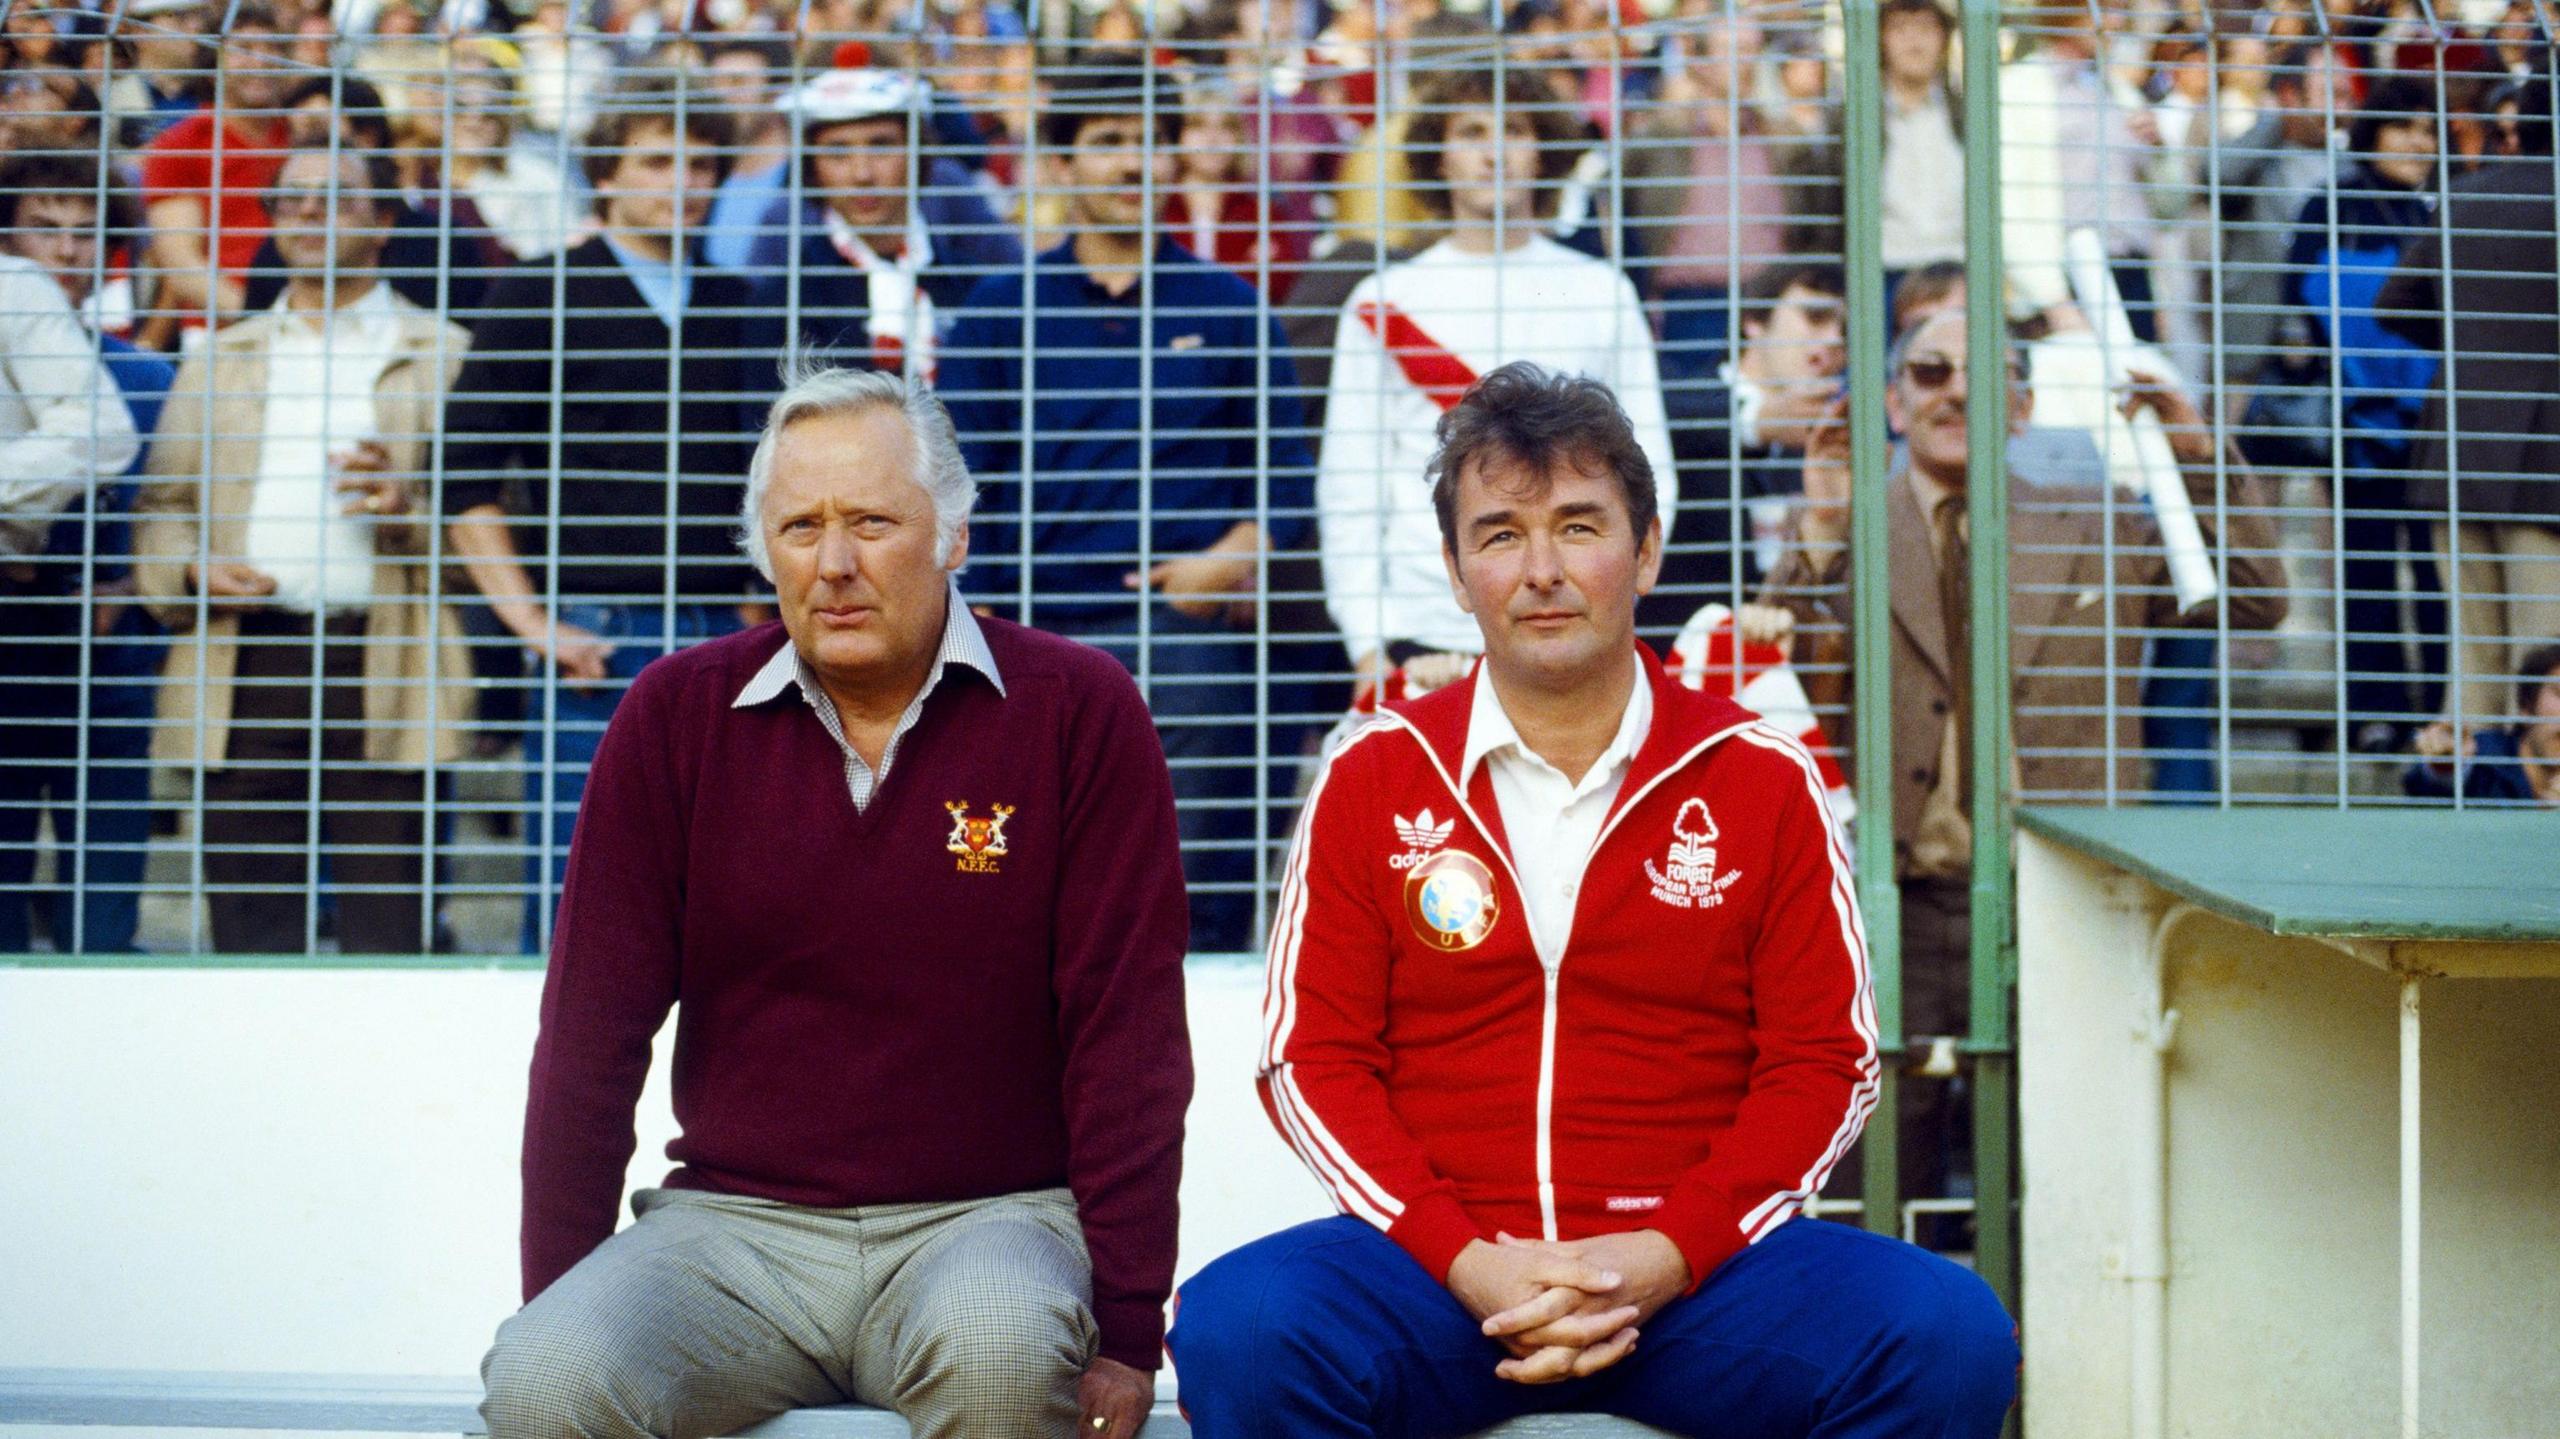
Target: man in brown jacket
[283, 541]
[2088, 584]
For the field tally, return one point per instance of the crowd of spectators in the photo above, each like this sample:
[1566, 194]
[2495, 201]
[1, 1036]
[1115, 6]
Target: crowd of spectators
[473, 311]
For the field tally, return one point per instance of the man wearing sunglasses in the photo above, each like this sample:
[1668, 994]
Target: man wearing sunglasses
[2087, 572]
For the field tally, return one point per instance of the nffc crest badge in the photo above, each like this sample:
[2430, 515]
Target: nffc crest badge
[1689, 879]
[978, 842]
[1449, 897]
[1420, 836]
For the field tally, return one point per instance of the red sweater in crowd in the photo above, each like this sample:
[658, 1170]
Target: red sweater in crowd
[228, 165]
[908, 1003]
[1695, 1060]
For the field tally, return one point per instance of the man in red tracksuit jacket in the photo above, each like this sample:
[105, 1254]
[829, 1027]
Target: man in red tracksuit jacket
[1568, 1011]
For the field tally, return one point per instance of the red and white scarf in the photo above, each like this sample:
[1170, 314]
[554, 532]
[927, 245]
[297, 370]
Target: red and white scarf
[901, 320]
[1761, 681]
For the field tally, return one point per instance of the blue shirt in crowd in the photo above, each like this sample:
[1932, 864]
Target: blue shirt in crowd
[738, 210]
[1144, 437]
[665, 288]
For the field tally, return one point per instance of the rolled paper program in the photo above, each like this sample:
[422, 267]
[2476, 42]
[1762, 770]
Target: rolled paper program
[2191, 572]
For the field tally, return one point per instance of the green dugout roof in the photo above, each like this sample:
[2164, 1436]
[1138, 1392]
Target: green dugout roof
[2382, 874]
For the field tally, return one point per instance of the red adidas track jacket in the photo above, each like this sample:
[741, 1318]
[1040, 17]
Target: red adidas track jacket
[1695, 1061]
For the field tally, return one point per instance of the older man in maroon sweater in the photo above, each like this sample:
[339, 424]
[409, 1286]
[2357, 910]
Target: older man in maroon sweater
[911, 882]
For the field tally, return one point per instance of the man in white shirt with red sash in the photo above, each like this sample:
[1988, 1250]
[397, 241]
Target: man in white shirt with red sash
[1568, 1012]
[1413, 337]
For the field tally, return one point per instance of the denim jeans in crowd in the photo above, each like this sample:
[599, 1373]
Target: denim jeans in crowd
[2178, 725]
[1198, 681]
[100, 832]
[114, 822]
[564, 726]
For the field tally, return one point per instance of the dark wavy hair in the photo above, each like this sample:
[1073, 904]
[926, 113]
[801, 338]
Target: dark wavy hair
[353, 101]
[656, 101]
[22, 177]
[2394, 100]
[1108, 85]
[1457, 91]
[1539, 419]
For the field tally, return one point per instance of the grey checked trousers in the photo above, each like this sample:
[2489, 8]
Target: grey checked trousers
[972, 1320]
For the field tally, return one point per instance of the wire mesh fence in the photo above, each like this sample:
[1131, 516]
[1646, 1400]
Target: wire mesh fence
[381, 381]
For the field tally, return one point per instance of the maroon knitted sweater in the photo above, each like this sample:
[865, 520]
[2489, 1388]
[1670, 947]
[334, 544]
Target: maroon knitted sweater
[865, 1015]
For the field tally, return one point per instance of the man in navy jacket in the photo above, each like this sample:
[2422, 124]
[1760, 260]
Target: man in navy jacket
[593, 444]
[1160, 461]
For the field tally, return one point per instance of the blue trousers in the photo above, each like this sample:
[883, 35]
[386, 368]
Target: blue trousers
[577, 717]
[115, 825]
[2178, 726]
[1819, 1331]
[101, 834]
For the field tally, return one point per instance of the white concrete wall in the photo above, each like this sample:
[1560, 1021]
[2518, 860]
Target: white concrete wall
[316, 1170]
[2283, 1202]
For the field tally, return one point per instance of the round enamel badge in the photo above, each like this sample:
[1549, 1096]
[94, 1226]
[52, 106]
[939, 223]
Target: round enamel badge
[1450, 899]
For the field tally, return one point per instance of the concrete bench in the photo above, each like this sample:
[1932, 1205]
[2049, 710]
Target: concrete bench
[406, 1404]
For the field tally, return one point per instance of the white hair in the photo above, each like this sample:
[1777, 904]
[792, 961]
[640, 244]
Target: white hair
[812, 388]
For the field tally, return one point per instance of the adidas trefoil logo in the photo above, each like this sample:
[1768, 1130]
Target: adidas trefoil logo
[1423, 832]
[1420, 835]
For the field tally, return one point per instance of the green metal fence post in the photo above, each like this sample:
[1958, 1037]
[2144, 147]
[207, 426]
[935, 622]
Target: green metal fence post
[1987, 487]
[1871, 625]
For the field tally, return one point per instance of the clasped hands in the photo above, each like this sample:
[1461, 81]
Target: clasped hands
[1571, 1309]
